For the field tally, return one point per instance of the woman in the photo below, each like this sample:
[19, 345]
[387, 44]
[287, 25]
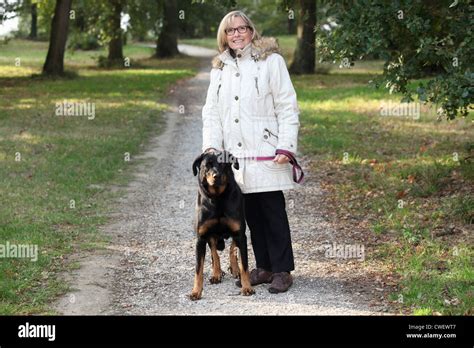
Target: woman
[251, 111]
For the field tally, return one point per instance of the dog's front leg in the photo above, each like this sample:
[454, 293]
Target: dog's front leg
[247, 289]
[216, 263]
[199, 275]
[234, 265]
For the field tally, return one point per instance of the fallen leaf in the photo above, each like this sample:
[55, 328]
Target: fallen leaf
[401, 194]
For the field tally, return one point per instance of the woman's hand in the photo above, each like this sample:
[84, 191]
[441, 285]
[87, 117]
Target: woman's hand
[281, 159]
[211, 150]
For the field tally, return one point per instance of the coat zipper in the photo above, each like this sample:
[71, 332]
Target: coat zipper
[256, 86]
[218, 89]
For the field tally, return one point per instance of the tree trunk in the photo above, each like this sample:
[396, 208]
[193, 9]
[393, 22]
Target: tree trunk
[116, 41]
[305, 53]
[54, 64]
[167, 44]
[34, 22]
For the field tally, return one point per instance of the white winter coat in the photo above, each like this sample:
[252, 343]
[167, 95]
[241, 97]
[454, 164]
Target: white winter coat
[251, 110]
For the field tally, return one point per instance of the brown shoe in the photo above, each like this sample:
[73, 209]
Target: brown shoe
[281, 282]
[258, 276]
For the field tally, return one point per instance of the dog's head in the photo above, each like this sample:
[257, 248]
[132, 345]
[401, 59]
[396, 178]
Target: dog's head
[215, 169]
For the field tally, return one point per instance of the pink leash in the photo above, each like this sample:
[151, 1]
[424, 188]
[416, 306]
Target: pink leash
[296, 167]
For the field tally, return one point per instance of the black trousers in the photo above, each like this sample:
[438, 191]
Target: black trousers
[269, 230]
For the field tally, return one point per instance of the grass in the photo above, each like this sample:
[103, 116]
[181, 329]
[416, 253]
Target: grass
[406, 177]
[57, 170]
[436, 279]
[409, 179]
[209, 42]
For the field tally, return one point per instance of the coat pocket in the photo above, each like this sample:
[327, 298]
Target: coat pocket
[268, 145]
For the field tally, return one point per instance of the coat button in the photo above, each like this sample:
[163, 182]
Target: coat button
[239, 55]
[236, 120]
[237, 75]
[236, 98]
[239, 144]
[265, 136]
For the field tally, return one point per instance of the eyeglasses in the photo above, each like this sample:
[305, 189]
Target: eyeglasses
[242, 30]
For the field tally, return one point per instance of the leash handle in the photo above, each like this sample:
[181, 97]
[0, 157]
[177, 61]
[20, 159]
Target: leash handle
[296, 167]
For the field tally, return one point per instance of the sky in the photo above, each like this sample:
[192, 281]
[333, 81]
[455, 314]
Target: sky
[9, 25]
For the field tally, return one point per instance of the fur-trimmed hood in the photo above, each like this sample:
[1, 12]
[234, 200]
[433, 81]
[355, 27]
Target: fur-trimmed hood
[258, 50]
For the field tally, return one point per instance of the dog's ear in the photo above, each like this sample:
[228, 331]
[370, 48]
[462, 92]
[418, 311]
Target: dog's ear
[232, 160]
[236, 163]
[197, 163]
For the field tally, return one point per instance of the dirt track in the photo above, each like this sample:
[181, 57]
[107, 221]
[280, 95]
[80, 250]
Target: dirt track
[149, 266]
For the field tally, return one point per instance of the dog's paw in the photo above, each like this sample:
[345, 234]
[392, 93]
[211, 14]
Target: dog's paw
[247, 291]
[235, 273]
[194, 296]
[215, 279]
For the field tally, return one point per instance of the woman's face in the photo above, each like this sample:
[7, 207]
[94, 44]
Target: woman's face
[239, 40]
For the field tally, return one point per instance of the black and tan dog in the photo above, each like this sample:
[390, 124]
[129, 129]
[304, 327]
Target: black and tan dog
[219, 215]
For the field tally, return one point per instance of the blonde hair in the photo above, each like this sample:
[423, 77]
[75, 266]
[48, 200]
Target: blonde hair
[226, 22]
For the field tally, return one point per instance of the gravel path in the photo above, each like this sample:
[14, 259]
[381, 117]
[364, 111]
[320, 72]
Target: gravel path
[149, 266]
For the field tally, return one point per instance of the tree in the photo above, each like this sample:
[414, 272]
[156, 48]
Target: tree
[167, 43]
[9, 9]
[409, 36]
[143, 16]
[54, 64]
[116, 37]
[305, 53]
[34, 21]
[85, 29]
[201, 19]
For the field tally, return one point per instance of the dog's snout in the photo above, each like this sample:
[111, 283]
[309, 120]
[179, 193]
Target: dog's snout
[213, 177]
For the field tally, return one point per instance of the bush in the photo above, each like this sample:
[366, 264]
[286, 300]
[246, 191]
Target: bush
[83, 41]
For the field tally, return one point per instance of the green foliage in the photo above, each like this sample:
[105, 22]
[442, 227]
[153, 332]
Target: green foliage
[201, 19]
[414, 38]
[83, 41]
[83, 29]
[270, 17]
[144, 19]
[463, 208]
[45, 11]
[103, 17]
